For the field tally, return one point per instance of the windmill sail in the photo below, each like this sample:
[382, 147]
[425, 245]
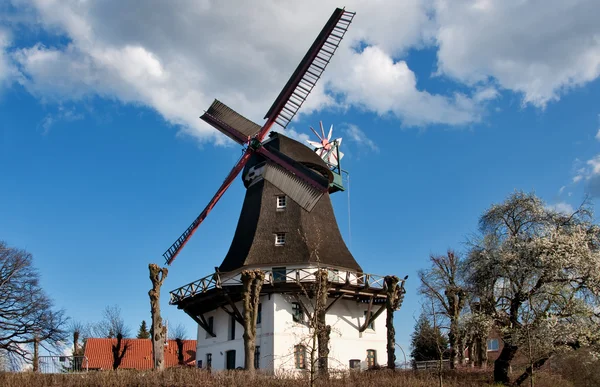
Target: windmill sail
[310, 68]
[229, 122]
[294, 187]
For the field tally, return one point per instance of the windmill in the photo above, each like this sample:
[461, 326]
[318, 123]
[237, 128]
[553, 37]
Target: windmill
[303, 185]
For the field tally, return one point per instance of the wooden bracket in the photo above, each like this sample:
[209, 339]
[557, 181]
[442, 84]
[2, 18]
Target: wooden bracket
[371, 317]
[333, 302]
[235, 311]
[200, 320]
[304, 308]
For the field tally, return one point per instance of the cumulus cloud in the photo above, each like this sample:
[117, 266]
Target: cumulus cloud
[540, 49]
[175, 58]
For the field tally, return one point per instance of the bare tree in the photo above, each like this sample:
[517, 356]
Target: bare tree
[27, 314]
[539, 274]
[111, 325]
[179, 332]
[158, 331]
[441, 283]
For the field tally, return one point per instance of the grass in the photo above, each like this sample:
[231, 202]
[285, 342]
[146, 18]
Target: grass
[195, 377]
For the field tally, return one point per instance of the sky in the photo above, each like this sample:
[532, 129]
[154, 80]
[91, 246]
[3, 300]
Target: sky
[445, 108]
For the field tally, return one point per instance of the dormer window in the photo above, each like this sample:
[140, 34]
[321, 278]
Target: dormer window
[281, 202]
[280, 239]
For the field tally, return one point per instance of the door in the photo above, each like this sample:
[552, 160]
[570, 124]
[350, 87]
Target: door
[230, 360]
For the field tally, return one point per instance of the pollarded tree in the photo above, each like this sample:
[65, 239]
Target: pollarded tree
[442, 284]
[537, 269]
[26, 313]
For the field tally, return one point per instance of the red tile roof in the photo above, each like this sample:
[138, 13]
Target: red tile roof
[138, 355]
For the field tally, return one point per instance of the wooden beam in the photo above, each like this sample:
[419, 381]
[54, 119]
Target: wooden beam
[200, 320]
[333, 302]
[370, 318]
[236, 312]
[304, 308]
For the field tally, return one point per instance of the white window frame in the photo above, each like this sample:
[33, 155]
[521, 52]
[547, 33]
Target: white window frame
[280, 239]
[281, 201]
[490, 347]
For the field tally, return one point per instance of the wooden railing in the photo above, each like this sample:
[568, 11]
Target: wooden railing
[295, 276]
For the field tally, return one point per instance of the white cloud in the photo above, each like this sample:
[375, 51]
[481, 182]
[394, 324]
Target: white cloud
[359, 137]
[562, 189]
[562, 207]
[598, 133]
[538, 48]
[62, 114]
[175, 58]
[7, 70]
[590, 175]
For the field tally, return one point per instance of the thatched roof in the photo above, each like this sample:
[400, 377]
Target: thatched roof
[310, 237]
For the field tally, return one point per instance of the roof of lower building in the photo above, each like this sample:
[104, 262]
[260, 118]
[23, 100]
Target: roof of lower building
[138, 355]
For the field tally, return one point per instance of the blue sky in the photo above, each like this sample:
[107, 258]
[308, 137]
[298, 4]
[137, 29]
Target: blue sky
[443, 110]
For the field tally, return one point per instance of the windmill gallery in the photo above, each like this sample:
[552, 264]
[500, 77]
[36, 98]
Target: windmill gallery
[289, 295]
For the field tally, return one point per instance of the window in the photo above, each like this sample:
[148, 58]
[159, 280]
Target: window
[259, 314]
[256, 357]
[297, 312]
[354, 364]
[300, 356]
[211, 324]
[493, 345]
[371, 358]
[232, 328]
[372, 323]
[199, 363]
[279, 274]
[208, 360]
[280, 239]
[281, 202]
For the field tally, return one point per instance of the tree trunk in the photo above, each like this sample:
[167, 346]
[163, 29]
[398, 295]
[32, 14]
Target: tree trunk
[460, 350]
[323, 330]
[118, 350]
[529, 370]
[36, 354]
[502, 364]
[157, 331]
[252, 281]
[180, 354]
[391, 305]
[452, 339]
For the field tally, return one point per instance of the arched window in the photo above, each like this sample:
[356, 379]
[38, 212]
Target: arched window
[300, 356]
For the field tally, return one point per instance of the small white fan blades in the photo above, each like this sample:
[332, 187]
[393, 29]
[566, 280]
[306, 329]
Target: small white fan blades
[327, 149]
